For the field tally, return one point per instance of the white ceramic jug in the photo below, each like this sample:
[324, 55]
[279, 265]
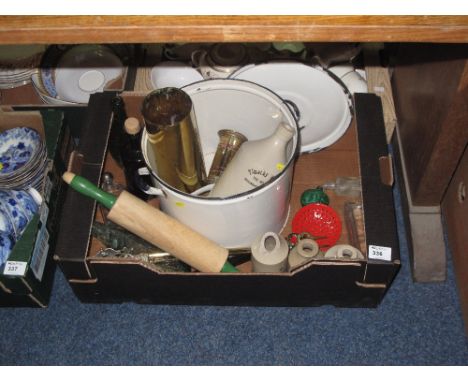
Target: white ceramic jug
[255, 163]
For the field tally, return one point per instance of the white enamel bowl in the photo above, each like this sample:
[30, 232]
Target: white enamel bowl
[84, 70]
[324, 106]
[173, 74]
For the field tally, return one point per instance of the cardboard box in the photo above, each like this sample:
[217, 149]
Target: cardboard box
[361, 152]
[26, 278]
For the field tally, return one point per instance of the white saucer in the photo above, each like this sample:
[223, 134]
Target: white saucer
[44, 96]
[84, 70]
[323, 104]
[173, 74]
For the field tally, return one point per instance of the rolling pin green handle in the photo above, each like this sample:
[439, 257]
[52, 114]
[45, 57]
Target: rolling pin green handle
[229, 268]
[85, 187]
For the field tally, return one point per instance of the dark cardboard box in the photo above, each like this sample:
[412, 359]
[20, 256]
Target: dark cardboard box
[26, 279]
[361, 152]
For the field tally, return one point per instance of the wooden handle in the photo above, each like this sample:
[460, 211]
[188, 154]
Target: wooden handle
[167, 233]
[156, 227]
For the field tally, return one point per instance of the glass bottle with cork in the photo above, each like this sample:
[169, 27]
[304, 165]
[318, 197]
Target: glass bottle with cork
[132, 157]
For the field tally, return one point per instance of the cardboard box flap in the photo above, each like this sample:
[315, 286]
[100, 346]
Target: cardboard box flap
[377, 196]
[96, 129]
[75, 228]
[11, 119]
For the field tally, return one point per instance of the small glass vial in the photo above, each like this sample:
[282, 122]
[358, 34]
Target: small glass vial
[345, 186]
[108, 185]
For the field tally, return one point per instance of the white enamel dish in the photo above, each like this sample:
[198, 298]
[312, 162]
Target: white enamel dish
[44, 95]
[84, 70]
[324, 106]
[173, 74]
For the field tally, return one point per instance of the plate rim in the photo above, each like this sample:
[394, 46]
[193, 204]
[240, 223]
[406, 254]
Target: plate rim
[334, 135]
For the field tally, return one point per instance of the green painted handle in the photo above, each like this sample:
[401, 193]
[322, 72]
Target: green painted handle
[85, 187]
[229, 268]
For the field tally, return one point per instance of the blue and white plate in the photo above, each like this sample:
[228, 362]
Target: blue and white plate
[6, 225]
[25, 202]
[70, 74]
[84, 70]
[49, 61]
[6, 245]
[17, 147]
[17, 215]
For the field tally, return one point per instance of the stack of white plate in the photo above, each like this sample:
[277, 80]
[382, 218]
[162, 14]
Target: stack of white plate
[44, 95]
[70, 77]
[18, 63]
[23, 159]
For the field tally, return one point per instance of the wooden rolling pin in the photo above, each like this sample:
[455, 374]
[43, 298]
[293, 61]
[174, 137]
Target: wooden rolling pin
[156, 227]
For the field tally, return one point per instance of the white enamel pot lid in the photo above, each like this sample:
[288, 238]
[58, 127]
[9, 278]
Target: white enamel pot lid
[237, 105]
[323, 104]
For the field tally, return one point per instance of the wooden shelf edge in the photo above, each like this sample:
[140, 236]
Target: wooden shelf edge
[153, 29]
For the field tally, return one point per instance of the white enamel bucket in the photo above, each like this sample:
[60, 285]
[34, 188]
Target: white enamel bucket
[254, 111]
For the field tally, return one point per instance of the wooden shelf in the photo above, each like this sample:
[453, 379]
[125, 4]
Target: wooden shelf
[153, 29]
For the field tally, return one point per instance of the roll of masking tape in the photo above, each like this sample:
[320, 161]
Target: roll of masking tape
[270, 253]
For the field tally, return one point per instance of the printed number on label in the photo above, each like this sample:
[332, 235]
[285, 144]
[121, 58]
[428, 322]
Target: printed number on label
[15, 268]
[380, 253]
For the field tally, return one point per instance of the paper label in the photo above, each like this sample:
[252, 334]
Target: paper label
[15, 268]
[41, 249]
[380, 253]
